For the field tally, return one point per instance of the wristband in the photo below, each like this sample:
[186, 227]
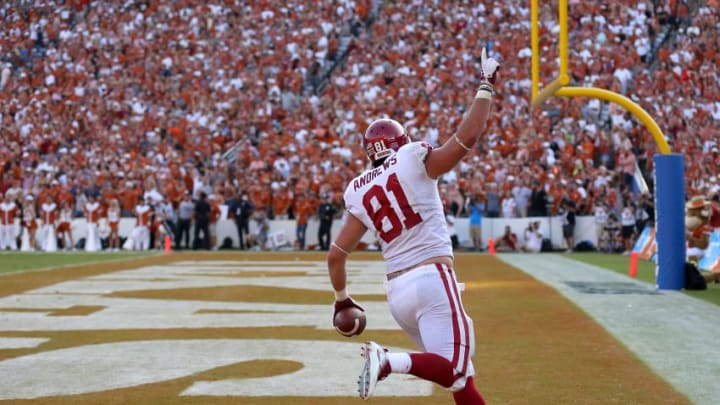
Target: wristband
[341, 295]
[485, 91]
[483, 94]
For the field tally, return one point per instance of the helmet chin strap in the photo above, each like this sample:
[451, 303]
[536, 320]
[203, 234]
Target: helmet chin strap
[379, 162]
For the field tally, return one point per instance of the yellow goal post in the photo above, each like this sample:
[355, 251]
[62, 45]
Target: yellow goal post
[559, 87]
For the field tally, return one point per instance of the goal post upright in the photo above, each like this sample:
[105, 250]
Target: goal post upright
[563, 79]
[558, 87]
[671, 245]
[534, 44]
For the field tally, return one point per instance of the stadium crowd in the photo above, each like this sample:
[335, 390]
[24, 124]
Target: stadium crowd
[105, 102]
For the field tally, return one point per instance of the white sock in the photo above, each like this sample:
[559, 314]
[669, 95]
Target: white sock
[399, 362]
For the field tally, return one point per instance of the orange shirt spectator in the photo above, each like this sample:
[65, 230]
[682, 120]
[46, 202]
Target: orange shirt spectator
[129, 198]
[281, 203]
[303, 208]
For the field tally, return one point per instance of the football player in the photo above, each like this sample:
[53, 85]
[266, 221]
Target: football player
[398, 200]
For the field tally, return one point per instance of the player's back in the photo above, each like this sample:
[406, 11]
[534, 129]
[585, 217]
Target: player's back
[401, 204]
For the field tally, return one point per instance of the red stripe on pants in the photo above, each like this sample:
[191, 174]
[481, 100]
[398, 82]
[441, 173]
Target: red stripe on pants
[458, 315]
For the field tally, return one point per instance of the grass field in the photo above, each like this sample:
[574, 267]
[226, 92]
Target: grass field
[645, 272]
[12, 262]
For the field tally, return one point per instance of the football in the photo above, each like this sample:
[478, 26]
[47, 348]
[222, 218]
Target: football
[350, 321]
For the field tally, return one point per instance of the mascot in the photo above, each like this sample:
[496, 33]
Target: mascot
[698, 227]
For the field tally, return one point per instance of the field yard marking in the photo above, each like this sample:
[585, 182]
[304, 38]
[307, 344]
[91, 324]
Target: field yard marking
[670, 331]
[102, 367]
[20, 343]
[112, 365]
[139, 313]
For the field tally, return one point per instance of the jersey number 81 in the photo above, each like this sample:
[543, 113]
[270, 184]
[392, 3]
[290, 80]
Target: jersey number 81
[389, 210]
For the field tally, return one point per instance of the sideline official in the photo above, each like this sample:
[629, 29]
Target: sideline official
[326, 213]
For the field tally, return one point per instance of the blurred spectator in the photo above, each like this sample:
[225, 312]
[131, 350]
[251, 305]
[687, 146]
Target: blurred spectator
[93, 211]
[507, 242]
[645, 213]
[49, 212]
[112, 214]
[141, 231]
[303, 209]
[242, 209]
[567, 213]
[641, 213]
[213, 220]
[521, 193]
[120, 100]
[185, 214]
[475, 207]
[156, 224]
[626, 164]
[29, 224]
[8, 211]
[166, 211]
[613, 235]
[532, 238]
[509, 206]
[493, 201]
[326, 214]
[64, 228]
[201, 219]
[627, 223]
[259, 239]
[538, 201]
[600, 218]
[452, 230]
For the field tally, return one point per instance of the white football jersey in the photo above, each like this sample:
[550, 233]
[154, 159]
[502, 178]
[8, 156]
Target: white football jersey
[401, 204]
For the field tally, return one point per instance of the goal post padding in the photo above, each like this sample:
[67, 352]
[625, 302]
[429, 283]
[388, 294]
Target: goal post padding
[670, 221]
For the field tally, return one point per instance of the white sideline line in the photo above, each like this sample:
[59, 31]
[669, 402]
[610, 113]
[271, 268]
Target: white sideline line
[673, 333]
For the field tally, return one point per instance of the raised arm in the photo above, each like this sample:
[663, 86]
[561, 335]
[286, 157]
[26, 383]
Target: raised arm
[444, 158]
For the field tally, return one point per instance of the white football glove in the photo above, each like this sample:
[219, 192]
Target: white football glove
[489, 68]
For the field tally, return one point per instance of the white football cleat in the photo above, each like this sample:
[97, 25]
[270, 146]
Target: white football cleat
[377, 367]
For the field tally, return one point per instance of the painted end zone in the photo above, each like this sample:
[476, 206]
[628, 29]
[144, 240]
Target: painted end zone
[256, 329]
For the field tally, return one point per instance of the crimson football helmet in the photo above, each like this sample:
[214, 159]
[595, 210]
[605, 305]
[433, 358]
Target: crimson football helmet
[383, 137]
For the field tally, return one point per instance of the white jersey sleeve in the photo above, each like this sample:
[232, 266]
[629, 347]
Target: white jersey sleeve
[401, 204]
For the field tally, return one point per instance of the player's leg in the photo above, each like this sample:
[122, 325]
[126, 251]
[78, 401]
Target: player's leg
[468, 395]
[449, 339]
[403, 301]
[426, 304]
[445, 328]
